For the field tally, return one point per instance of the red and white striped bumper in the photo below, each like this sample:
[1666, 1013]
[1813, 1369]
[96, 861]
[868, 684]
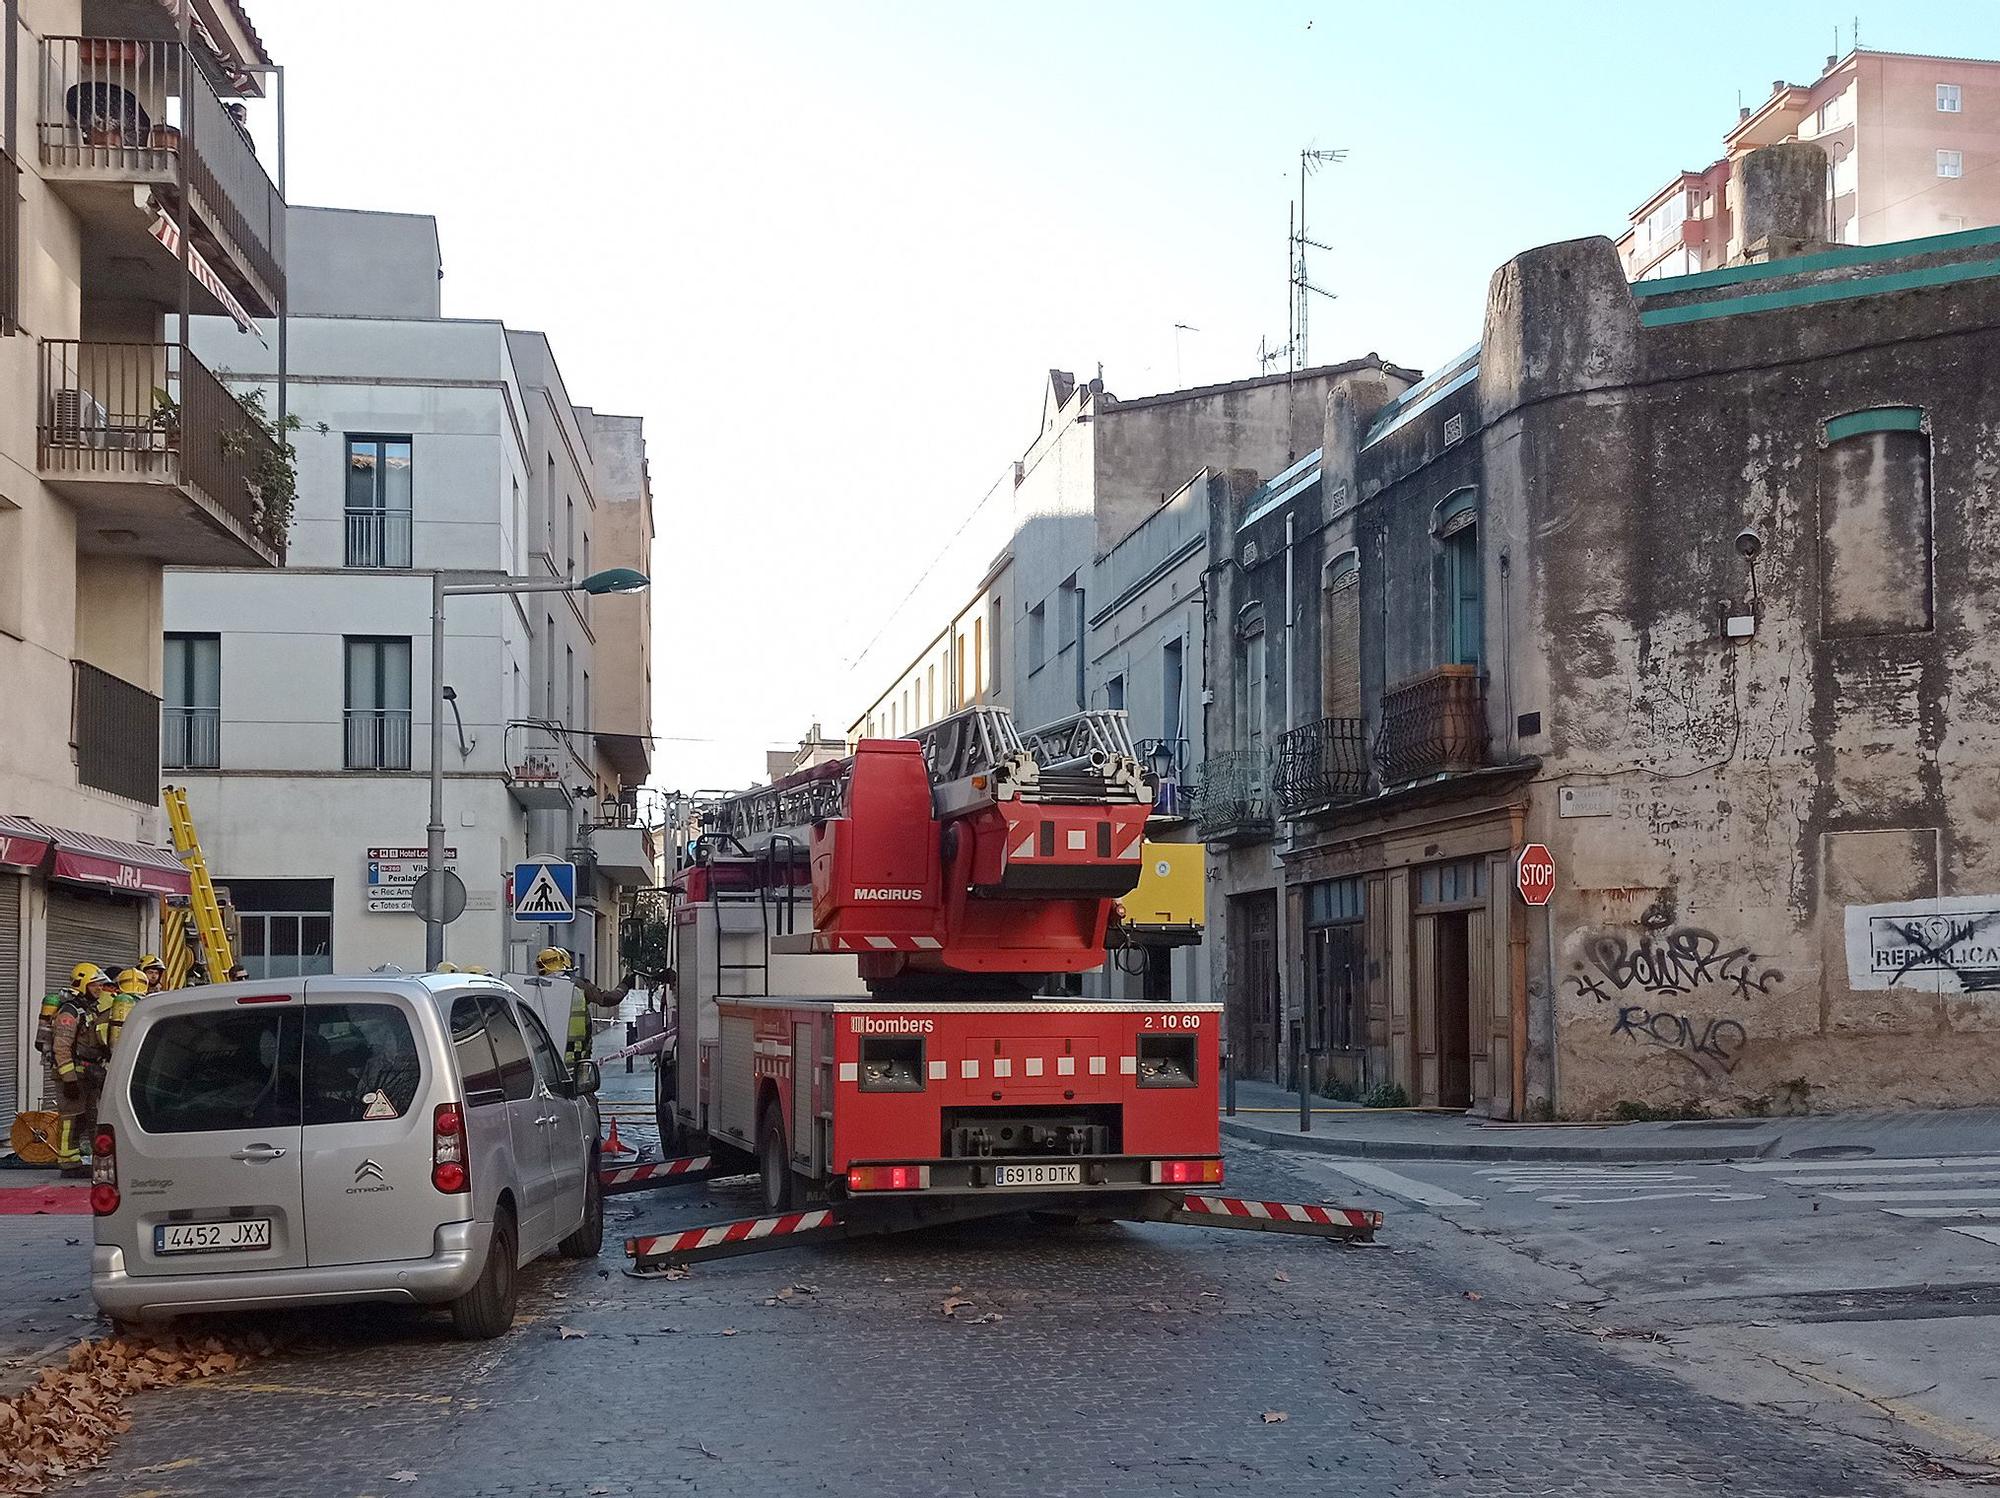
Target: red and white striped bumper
[661, 1173]
[724, 1237]
[1303, 1212]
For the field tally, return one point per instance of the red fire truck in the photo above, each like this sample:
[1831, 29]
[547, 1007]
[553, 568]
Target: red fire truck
[864, 953]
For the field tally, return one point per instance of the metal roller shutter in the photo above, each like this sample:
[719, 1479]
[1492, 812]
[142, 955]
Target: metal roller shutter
[12, 1002]
[89, 928]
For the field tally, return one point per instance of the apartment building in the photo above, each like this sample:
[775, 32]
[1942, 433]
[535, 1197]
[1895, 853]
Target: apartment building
[299, 701]
[1708, 629]
[132, 198]
[1912, 145]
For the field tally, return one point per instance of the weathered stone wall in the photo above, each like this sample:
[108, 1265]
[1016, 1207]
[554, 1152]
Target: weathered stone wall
[1739, 796]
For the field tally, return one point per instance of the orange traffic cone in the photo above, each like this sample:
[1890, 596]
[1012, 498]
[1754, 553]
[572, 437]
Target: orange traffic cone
[613, 1145]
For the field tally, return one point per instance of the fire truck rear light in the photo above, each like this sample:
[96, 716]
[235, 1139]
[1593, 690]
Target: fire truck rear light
[888, 1177]
[1187, 1172]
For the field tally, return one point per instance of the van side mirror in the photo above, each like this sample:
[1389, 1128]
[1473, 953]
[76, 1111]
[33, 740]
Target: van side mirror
[588, 1078]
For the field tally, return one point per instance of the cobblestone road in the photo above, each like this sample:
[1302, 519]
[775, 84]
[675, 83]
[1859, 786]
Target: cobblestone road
[1126, 1361]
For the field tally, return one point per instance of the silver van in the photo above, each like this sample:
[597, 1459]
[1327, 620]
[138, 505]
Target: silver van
[315, 1141]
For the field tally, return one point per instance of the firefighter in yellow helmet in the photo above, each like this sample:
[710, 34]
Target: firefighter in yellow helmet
[445, 967]
[554, 962]
[132, 987]
[154, 971]
[80, 1046]
[45, 1022]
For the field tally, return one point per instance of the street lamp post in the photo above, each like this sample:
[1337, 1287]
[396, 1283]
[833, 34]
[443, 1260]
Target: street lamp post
[612, 580]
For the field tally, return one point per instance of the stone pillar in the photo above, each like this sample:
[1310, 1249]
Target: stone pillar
[1783, 207]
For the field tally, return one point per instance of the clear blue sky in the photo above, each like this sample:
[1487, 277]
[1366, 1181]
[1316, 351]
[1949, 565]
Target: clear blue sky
[830, 251]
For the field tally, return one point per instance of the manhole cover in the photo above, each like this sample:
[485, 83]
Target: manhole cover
[1832, 1152]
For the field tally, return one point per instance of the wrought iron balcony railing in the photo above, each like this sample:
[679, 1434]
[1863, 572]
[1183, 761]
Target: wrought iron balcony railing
[1322, 764]
[1434, 724]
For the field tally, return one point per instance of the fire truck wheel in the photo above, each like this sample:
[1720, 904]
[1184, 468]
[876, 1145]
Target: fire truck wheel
[671, 1141]
[774, 1161]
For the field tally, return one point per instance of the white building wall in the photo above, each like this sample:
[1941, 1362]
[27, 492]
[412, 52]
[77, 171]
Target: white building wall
[283, 804]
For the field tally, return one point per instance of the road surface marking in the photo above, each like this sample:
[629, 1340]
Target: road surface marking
[1671, 1193]
[1421, 1192]
[1985, 1235]
[1893, 1177]
[1785, 1167]
[1943, 1211]
[1986, 1195]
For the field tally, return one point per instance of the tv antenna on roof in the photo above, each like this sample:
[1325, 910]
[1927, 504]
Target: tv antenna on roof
[1311, 159]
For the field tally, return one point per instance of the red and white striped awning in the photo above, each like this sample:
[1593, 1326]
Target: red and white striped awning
[168, 233]
[86, 858]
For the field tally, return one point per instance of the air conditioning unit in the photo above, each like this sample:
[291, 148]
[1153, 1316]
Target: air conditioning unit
[76, 419]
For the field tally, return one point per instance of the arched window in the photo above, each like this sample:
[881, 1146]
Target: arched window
[1340, 637]
[1460, 611]
[1875, 548]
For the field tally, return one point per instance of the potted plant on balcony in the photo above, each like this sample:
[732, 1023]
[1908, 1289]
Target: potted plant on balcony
[274, 481]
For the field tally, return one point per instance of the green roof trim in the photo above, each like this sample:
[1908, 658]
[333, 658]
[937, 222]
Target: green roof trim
[1880, 419]
[1859, 254]
[1821, 291]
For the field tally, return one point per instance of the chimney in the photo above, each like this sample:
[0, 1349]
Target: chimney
[1742, 113]
[1830, 61]
[1777, 85]
[1783, 209]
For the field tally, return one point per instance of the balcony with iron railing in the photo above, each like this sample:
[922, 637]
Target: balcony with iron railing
[378, 538]
[1434, 724]
[191, 738]
[118, 112]
[115, 731]
[158, 457]
[1235, 797]
[378, 738]
[1322, 764]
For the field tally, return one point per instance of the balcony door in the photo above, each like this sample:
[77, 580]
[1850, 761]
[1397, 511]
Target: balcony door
[379, 501]
[191, 733]
[378, 703]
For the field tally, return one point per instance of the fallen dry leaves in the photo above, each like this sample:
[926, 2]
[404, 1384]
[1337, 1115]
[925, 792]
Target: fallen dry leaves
[1276, 1417]
[66, 1420]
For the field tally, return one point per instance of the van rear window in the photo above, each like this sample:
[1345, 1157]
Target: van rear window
[361, 1064]
[225, 1069]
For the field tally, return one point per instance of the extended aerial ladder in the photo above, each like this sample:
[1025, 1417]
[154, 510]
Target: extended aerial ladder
[966, 868]
[217, 957]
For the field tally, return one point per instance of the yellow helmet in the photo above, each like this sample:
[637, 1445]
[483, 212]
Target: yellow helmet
[83, 975]
[445, 967]
[475, 968]
[552, 960]
[151, 960]
[133, 981]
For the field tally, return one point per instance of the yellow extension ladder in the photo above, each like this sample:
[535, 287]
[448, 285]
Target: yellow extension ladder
[217, 958]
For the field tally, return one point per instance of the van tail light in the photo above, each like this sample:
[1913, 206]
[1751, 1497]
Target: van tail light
[1187, 1172]
[104, 1172]
[448, 1161]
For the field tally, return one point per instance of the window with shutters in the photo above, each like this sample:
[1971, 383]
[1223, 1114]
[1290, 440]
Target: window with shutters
[1340, 637]
[1460, 611]
[1251, 688]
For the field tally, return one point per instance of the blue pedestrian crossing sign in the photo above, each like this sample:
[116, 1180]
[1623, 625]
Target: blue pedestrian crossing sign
[545, 892]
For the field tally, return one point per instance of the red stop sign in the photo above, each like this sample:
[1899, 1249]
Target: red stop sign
[1535, 874]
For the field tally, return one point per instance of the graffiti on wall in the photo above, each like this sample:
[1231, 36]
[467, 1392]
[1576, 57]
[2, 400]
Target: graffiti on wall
[1714, 1046]
[1681, 961]
[1633, 977]
[1950, 945]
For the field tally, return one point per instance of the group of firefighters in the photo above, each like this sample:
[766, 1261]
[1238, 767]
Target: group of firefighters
[75, 1033]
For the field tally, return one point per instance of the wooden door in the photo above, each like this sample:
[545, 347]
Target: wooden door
[1253, 984]
[1453, 975]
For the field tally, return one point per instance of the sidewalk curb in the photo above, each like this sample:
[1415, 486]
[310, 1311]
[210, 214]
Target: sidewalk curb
[1411, 1149]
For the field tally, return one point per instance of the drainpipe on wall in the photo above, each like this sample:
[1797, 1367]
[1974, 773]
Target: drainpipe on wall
[1517, 978]
[1281, 831]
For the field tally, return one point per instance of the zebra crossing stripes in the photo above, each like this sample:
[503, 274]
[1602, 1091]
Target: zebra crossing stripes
[1923, 1189]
